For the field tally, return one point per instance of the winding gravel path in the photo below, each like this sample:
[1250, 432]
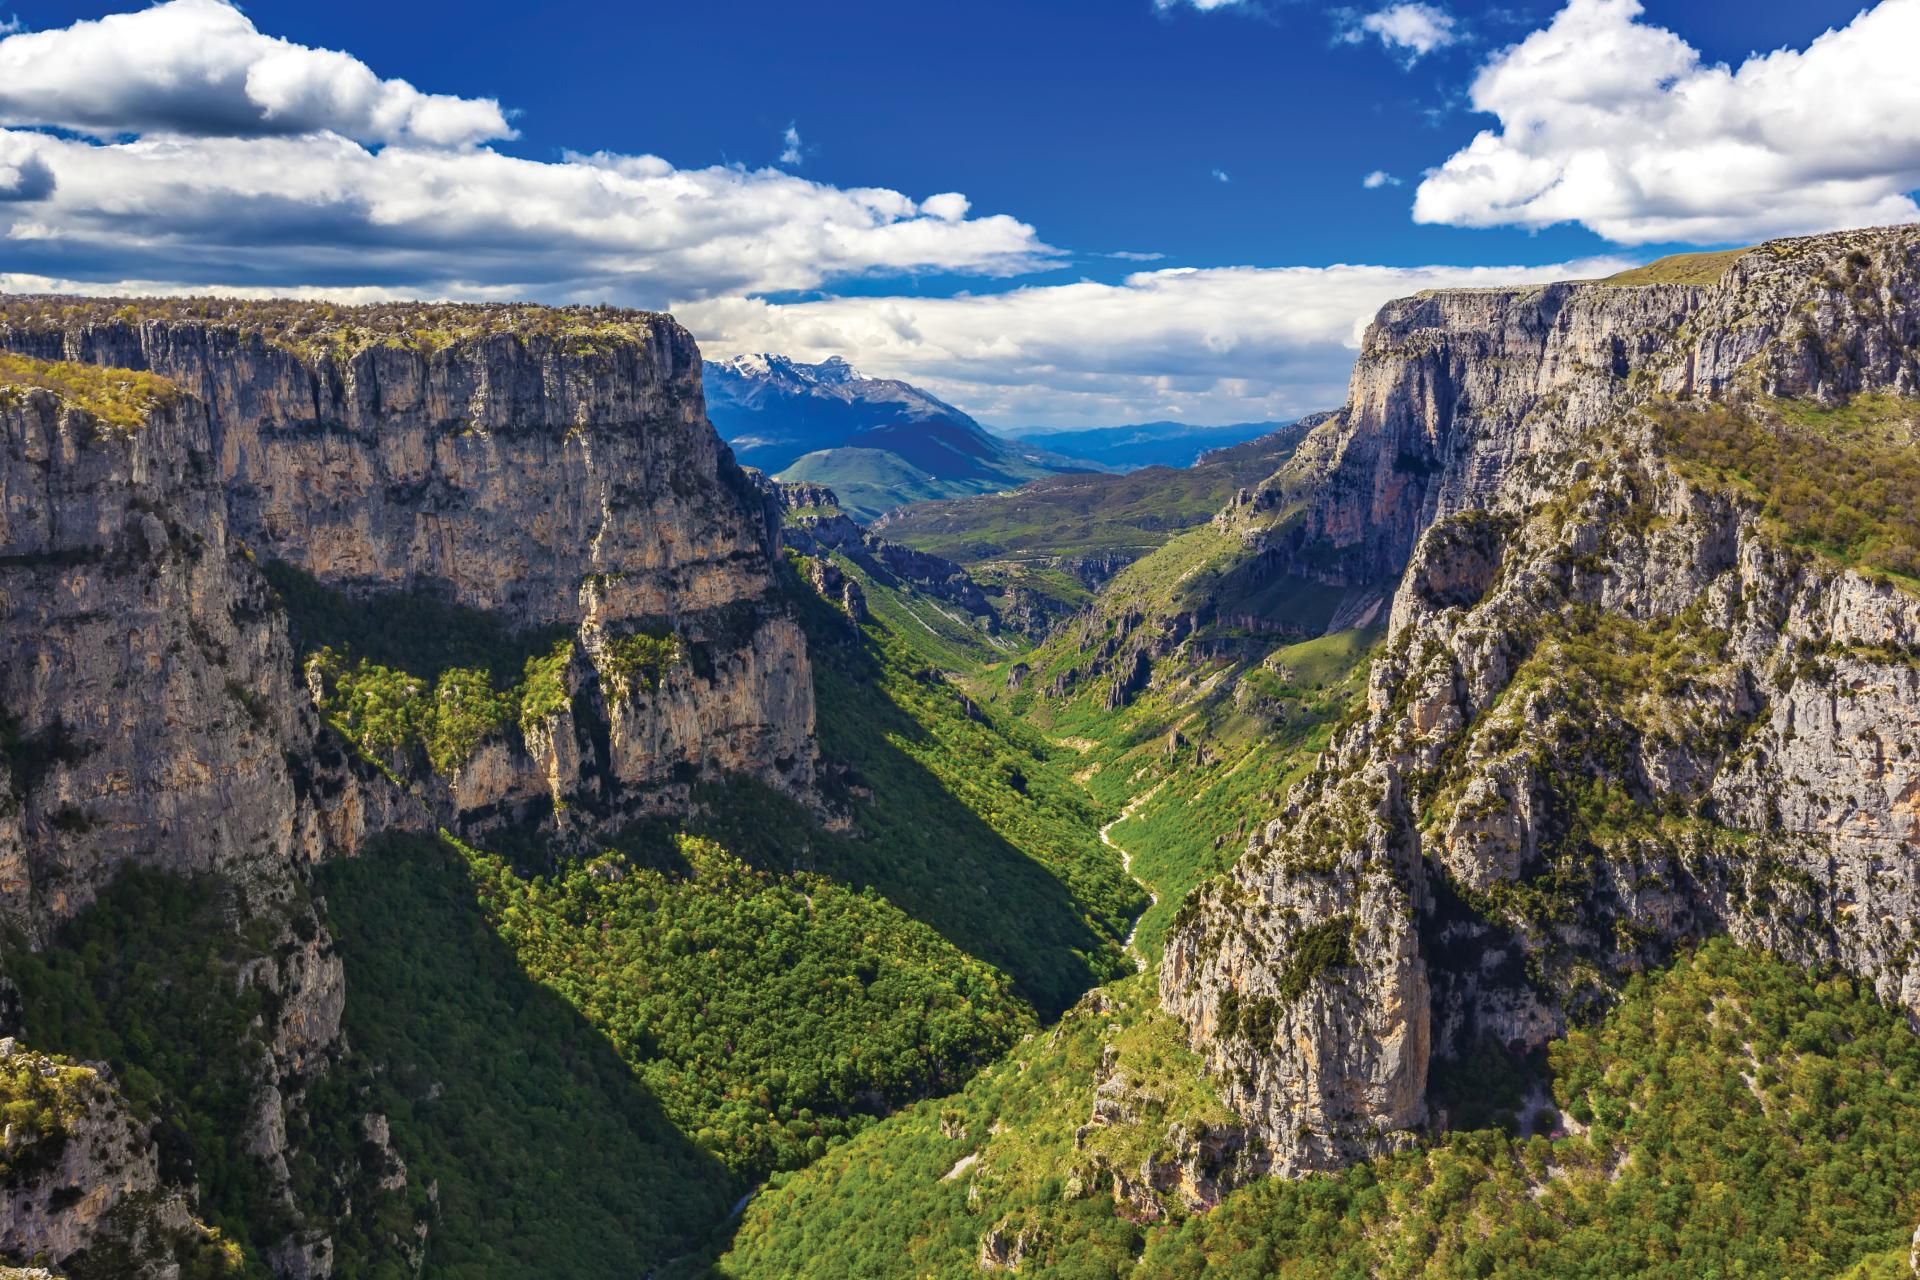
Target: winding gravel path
[1126, 864]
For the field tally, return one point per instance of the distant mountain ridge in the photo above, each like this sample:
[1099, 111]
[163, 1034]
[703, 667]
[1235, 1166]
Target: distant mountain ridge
[879, 442]
[1141, 444]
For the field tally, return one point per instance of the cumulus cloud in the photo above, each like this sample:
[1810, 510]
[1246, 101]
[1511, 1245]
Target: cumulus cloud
[1222, 344]
[238, 159]
[319, 209]
[1221, 175]
[1616, 124]
[201, 67]
[790, 145]
[1411, 31]
[1379, 178]
[1204, 6]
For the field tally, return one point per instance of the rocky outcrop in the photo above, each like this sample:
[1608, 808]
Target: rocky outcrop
[552, 471]
[146, 677]
[1617, 710]
[79, 1176]
[552, 468]
[815, 526]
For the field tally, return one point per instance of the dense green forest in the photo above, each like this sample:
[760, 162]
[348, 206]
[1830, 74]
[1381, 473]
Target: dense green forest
[151, 980]
[1732, 1116]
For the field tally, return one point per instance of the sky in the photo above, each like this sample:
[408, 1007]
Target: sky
[1050, 212]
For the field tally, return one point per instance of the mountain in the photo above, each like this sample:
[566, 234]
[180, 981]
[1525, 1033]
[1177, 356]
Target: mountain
[455, 821]
[423, 778]
[877, 442]
[1144, 444]
[1600, 877]
[1042, 550]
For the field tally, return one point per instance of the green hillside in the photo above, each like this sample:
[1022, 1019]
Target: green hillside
[871, 482]
[1732, 1116]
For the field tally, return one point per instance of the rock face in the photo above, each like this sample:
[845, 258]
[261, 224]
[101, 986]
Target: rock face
[814, 526]
[552, 468]
[152, 715]
[81, 1175]
[1616, 711]
[146, 677]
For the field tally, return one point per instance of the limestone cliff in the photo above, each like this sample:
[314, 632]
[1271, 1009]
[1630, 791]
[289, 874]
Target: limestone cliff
[547, 474]
[1627, 699]
[553, 469]
[79, 1176]
[149, 707]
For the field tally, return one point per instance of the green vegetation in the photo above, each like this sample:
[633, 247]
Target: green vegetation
[1046, 541]
[119, 397]
[1733, 1116]
[543, 685]
[1840, 482]
[321, 330]
[767, 1013]
[961, 817]
[411, 671]
[1192, 808]
[1678, 268]
[550, 1153]
[931, 628]
[389, 713]
[150, 979]
[633, 662]
[41, 1099]
[914, 1195]
[870, 482]
[1088, 514]
[416, 631]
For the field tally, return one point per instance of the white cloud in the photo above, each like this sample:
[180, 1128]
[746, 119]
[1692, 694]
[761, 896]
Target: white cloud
[1132, 255]
[790, 145]
[21, 282]
[1379, 178]
[232, 158]
[1410, 30]
[1616, 124]
[200, 67]
[1219, 345]
[948, 206]
[318, 208]
[1221, 175]
[10, 25]
[1204, 6]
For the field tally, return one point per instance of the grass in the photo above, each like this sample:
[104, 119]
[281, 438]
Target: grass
[870, 482]
[324, 330]
[120, 397]
[1843, 482]
[1678, 268]
[1733, 1115]
[1198, 810]
[1085, 514]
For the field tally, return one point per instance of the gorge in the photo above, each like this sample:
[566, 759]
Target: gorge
[416, 713]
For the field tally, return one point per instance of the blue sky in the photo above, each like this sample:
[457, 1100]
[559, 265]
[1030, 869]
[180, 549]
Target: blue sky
[737, 147]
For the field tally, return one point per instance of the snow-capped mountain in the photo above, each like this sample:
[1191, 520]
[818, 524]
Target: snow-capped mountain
[878, 441]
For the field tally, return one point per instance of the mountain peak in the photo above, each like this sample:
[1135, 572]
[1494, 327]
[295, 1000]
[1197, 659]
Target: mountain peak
[768, 367]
